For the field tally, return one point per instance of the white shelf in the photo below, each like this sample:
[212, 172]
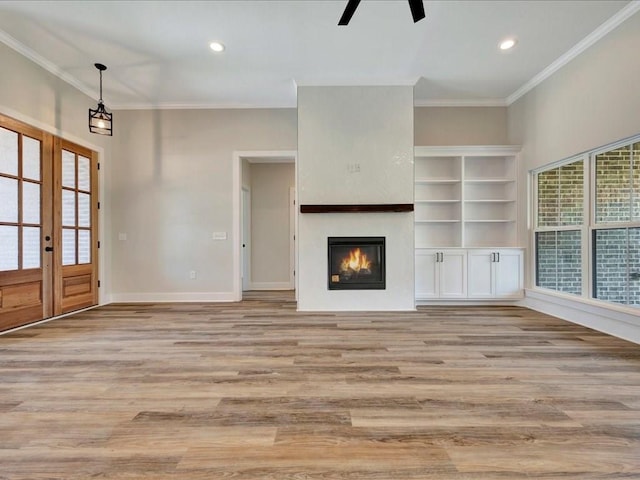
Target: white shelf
[499, 220]
[437, 221]
[481, 181]
[466, 196]
[495, 200]
[437, 181]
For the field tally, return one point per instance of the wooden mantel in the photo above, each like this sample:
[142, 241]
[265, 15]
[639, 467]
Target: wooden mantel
[358, 208]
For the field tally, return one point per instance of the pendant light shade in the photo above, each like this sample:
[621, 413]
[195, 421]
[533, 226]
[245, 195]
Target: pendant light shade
[100, 121]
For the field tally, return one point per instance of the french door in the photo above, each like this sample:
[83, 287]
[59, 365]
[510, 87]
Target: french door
[48, 225]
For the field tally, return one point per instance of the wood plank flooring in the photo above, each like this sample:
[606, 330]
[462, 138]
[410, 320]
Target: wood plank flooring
[255, 390]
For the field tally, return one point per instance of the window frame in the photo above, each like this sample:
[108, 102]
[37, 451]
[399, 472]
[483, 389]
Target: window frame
[582, 227]
[588, 226]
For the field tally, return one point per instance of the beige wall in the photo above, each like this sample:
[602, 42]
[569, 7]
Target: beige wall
[33, 95]
[591, 102]
[270, 246]
[445, 126]
[172, 184]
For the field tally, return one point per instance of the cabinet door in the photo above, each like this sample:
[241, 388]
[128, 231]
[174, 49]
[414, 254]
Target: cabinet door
[509, 274]
[480, 273]
[453, 274]
[426, 274]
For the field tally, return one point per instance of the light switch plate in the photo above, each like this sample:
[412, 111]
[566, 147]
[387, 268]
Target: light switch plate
[122, 236]
[219, 235]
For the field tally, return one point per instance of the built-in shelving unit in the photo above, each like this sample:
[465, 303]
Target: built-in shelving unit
[466, 224]
[466, 196]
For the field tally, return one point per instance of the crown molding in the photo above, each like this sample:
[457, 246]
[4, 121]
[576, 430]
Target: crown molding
[196, 106]
[488, 102]
[628, 11]
[38, 59]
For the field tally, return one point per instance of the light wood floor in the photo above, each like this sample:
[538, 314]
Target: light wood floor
[257, 391]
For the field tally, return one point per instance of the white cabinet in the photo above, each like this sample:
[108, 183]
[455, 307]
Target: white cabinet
[495, 273]
[441, 274]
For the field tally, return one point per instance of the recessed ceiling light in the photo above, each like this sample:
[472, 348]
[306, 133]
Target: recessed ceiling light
[507, 44]
[216, 46]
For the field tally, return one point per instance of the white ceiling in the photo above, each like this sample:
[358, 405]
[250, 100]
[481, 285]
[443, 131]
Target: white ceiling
[158, 56]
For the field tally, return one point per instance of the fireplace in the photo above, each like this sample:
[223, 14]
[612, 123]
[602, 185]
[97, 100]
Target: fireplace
[356, 263]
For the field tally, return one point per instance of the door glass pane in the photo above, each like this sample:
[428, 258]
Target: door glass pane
[68, 208]
[8, 152]
[8, 200]
[9, 250]
[84, 246]
[68, 169]
[84, 210]
[31, 247]
[68, 246]
[613, 186]
[30, 202]
[84, 174]
[30, 158]
[611, 260]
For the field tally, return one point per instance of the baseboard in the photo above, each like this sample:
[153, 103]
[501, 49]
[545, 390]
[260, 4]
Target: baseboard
[270, 286]
[168, 297]
[469, 303]
[619, 321]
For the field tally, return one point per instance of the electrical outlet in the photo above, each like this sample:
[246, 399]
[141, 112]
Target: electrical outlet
[353, 168]
[193, 275]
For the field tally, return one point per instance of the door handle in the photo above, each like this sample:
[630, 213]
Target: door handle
[48, 249]
[498, 254]
[493, 257]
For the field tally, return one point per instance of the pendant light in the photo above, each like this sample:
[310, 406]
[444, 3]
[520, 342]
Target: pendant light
[100, 121]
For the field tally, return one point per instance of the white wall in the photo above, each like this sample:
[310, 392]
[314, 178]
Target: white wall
[592, 101]
[172, 184]
[355, 146]
[33, 95]
[270, 239]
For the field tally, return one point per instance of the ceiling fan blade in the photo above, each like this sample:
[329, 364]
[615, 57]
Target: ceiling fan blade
[348, 12]
[417, 10]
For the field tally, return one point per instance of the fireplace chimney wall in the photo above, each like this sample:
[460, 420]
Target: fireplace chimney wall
[355, 146]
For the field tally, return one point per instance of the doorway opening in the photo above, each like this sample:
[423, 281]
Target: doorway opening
[266, 223]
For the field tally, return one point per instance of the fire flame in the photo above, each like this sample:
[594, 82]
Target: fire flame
[356, 262]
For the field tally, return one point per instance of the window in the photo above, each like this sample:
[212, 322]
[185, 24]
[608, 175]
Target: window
[559, 222]
[610, 270]
[616, 236]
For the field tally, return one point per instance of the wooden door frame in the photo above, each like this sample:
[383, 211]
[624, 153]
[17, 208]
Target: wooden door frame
[104, 292]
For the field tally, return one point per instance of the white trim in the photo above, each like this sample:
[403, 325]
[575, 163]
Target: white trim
[270, 286]
[619, 321]
[471, 150]
[430, 302]
[38, 59]
[613, 22]
[292, 236]
[238, 156]
[488, 102]
[268, 159]
[171, 297]
[199, 106]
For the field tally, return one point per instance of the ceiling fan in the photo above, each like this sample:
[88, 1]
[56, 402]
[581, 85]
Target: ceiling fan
[417, 11]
